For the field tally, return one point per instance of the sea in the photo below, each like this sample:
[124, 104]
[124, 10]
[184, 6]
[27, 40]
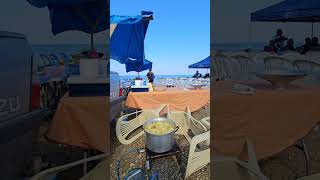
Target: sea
[70, 49]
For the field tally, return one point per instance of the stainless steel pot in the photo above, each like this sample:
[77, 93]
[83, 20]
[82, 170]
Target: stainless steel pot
[160, 143]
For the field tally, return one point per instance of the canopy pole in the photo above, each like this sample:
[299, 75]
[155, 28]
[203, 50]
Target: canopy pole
[250, 35]
[312, 29]
[91, 38]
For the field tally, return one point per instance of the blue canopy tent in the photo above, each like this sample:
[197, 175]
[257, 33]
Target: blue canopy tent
[89, 16]
[290, 11]
[128, 34]
[205, 64]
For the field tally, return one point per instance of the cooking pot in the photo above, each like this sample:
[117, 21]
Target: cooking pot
[160, 143]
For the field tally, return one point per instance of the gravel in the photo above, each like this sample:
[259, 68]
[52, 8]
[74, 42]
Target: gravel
[167, 168]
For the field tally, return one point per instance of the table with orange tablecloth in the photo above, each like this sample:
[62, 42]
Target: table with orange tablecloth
[82, 122]
[177, 99]
[272, 119]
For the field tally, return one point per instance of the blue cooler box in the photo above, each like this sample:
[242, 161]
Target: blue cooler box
[139, 89]
[80, 87]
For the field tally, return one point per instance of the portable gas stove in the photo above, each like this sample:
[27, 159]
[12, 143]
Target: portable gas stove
[175, 151]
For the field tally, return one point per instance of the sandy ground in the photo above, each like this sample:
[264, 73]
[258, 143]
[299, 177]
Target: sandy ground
[167, 167]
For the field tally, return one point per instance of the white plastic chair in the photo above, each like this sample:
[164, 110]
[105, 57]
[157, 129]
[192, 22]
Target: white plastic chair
[125, 127]
[225, 67]
[235, 169]
[311, 177]
[259, 56]
[98, 172]
[199, 151]
[198, 158]
[277, 63]
[247, 67]
[206, 122]
[313, 55]
[293, 55]
[310, 68]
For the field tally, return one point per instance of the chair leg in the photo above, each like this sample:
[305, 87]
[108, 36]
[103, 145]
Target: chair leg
[306, 155]
[85, 156]
[303, 148]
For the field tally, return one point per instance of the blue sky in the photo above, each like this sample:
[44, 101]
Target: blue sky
[178, 36]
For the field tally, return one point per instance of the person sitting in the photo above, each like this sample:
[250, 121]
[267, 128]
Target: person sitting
[279, 39]
[315, 44]
[207, 75]
[197, 75]
[306, 47]
[289, 46]
[271, 47]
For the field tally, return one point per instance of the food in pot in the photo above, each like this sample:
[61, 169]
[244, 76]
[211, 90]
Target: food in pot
[159, 128]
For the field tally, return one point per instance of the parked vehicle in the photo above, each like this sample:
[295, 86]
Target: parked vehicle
[116, 97]
[19, 116]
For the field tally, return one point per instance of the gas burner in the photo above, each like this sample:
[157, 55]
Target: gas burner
[175, 151]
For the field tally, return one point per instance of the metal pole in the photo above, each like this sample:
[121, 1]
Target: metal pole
[91, 36]
[250, 35]
[312, 29]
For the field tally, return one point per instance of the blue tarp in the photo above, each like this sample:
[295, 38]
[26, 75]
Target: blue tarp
[90, 16]
[127, 40]
[205, 63]
[132, 65]
[290, 11]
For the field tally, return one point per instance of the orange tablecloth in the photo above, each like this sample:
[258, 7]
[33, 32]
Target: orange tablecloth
[177, 99]
[83, 122]
[272, 119]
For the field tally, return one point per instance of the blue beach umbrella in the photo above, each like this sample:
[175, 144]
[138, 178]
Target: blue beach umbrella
[127, 37]
[132, 65]
[89, 16]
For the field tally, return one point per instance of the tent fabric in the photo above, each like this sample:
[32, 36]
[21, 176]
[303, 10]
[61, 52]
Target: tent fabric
[127, 40]
[290, 11]
[132, 65]
[89, 16]
[205, 63]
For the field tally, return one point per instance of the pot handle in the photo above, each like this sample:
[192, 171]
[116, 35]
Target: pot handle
[177, 128]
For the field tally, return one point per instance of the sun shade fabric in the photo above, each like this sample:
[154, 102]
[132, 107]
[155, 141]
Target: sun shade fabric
[290, 11]
[89, 16]
[127, 40]
[133, 65]
[205, 63]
